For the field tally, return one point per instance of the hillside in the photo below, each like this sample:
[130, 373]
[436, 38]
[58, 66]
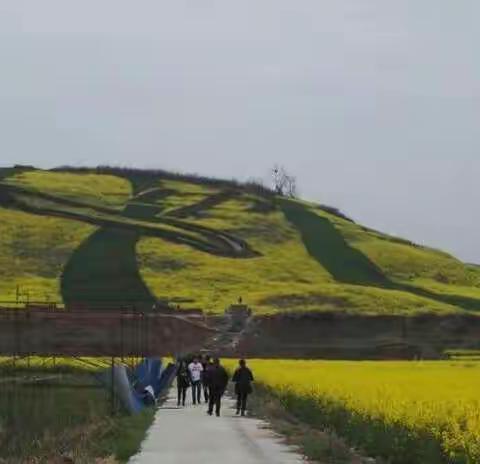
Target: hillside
[111, 235]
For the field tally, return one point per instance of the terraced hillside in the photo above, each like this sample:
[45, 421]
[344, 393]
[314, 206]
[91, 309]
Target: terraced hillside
[111, 235]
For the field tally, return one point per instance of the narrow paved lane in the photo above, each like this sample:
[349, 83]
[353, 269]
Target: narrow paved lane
[188, 435]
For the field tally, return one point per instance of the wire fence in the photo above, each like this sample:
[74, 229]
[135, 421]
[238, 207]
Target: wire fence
[43, 400]
[57, 366]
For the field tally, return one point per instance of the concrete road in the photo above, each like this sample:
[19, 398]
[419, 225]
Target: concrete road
[188, 435]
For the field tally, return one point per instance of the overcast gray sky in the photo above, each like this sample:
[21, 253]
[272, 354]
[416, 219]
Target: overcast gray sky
[373, 104]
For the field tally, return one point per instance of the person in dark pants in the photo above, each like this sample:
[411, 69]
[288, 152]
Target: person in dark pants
[195, 368]
[218, 380]
[243, 379]
[183, 382]
[206, 363]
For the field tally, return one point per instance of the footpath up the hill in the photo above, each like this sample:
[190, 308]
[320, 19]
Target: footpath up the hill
[186, 435]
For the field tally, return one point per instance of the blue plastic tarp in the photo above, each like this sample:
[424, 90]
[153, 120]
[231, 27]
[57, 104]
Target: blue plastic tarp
[148, 372]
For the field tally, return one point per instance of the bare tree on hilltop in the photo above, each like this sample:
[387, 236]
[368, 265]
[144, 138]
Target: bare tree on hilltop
[283, 183]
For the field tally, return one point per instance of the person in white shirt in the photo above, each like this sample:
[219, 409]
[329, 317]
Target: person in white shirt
[195, 368]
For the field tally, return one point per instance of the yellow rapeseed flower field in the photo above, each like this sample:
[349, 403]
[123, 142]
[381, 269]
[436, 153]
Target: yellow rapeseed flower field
[408, 412]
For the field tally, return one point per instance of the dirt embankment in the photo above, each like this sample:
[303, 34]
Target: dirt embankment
[342, 336]
[86, 332]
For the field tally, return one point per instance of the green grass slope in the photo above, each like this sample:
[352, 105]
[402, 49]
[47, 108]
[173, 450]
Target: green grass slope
[116, 235]
[97, 189]
[34, 251]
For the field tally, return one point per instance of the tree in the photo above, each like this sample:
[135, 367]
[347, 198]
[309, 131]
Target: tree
[284, 183]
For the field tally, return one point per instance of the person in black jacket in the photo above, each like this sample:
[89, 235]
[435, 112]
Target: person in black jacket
[183, 382]
[206, 363]
[243, 379]
[218, 381]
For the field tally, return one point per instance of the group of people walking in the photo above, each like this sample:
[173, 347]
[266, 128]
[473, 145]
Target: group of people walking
[207, 377]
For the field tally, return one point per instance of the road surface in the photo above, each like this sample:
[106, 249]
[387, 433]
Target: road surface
[188, 435]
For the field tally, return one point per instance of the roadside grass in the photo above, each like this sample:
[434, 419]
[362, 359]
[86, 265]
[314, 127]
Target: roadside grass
[70, 422]
[67, 415]
[99, 189]
[34, 251]
[322, 446]
[125, 435]
[405, 412]
[37, 415]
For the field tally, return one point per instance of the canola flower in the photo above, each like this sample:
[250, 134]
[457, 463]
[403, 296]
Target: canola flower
[408, 412]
